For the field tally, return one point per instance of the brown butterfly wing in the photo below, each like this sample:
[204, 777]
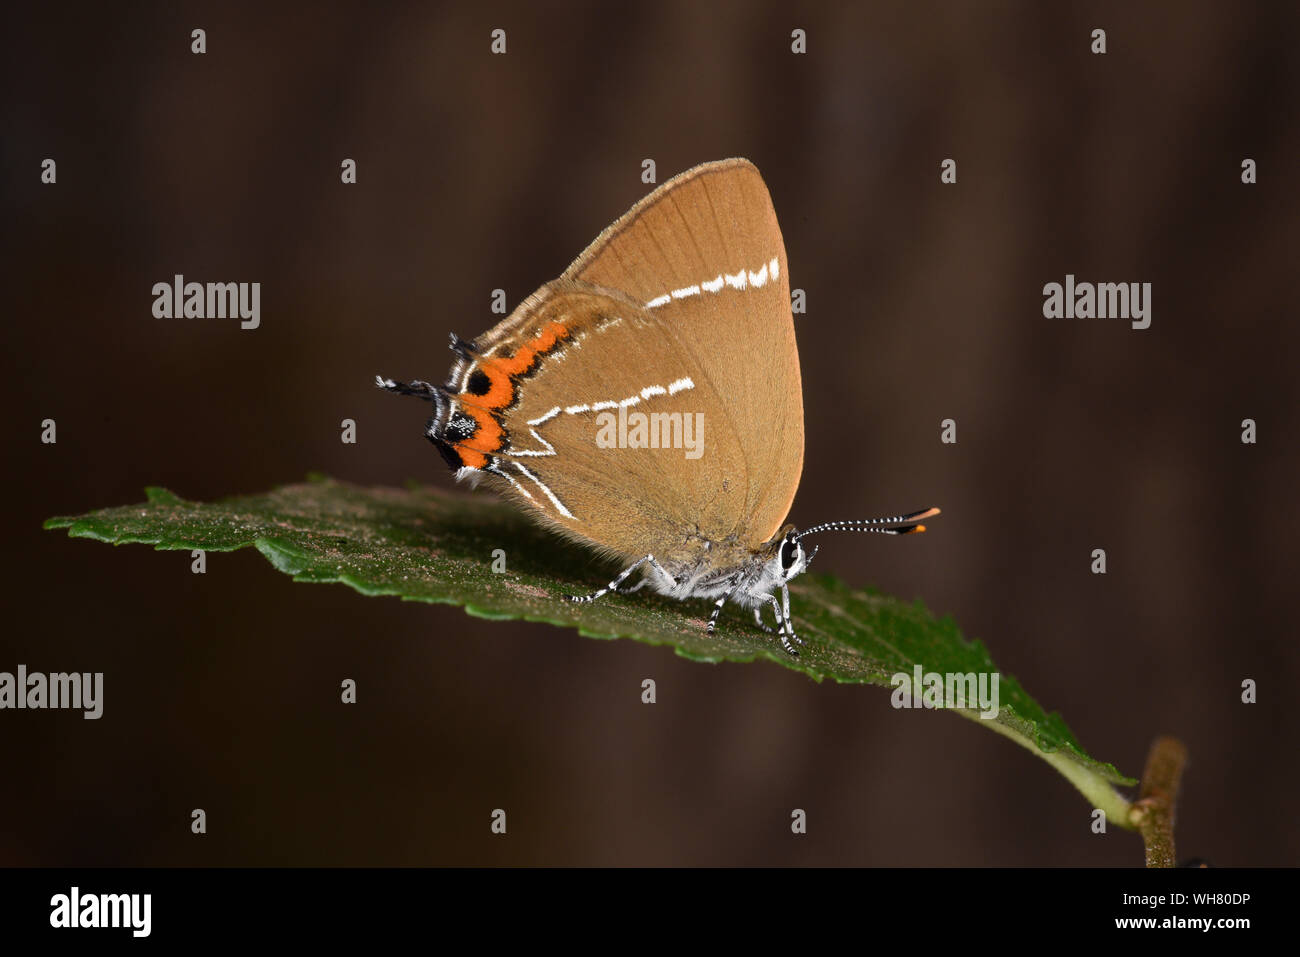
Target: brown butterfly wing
[563, 458]
[679, 310]
[700, 253]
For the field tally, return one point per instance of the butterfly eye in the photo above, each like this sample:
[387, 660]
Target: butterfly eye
[789, 550]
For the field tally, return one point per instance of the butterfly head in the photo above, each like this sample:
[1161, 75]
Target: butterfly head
[790, 558]
[779, 560]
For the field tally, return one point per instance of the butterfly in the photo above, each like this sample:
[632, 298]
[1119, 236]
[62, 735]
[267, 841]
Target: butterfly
[648, 402]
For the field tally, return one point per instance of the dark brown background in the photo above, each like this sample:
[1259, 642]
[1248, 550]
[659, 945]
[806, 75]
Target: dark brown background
[480, 171]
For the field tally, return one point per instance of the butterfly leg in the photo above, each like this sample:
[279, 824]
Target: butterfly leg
[776, 610]
[786, 628]
[758, 620]
[655, 566]
[717, 605]
[622, 577]
[785, 615]
[717, 610]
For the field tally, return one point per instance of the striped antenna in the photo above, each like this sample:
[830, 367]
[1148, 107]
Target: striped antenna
[893, 525]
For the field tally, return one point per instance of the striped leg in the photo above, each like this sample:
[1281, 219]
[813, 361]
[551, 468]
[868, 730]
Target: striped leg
[717, 610]
[654, 567]
[785, 614]
[758, 620]
[776, 609]
[717, 605]
[622, 577]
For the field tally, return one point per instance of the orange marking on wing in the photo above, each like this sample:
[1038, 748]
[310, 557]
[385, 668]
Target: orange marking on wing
[470, 458]
[490, 435]
[500, 393]
[501, 371]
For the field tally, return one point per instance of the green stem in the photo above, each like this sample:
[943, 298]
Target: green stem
[1091, 785]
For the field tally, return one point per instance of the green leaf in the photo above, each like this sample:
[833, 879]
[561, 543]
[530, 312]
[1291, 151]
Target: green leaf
[424, 545]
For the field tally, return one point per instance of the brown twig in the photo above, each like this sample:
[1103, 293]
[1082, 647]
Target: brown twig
[1153, 811]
